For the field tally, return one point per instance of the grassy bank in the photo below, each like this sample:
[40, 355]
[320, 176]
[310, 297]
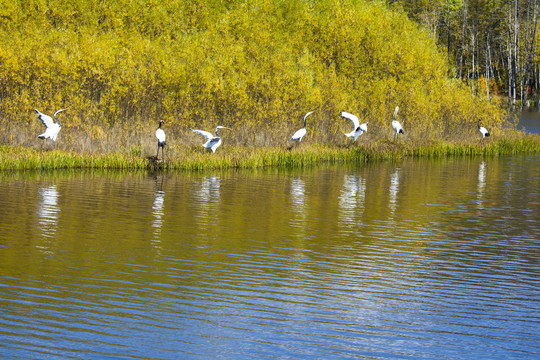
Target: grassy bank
[197, 158]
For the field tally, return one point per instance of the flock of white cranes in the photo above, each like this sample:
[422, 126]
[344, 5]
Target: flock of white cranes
[213, 142]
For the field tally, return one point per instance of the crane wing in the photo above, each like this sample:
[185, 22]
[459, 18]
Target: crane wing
[212, 141]
[206, 134]
[160, 135]
[45, 119]
[397, 126]
[351, 117]
[299, 134]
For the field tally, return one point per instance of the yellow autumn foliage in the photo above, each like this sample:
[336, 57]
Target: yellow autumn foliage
[254, 65]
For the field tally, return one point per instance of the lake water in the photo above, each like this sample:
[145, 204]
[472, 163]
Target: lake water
[410, 259]
[529, 121]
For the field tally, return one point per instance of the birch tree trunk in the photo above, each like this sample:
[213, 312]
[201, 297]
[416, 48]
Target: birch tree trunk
[515, 63]
[448, 27]
[462, 39]
[510, 73]
[488, 65]
[529, 51]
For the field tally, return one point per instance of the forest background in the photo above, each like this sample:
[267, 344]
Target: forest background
[258, 66]
[488, 42]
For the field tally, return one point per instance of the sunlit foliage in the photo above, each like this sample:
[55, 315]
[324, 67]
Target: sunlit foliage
[119, 66]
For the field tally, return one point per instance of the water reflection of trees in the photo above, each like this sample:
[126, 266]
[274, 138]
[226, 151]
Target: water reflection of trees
[383, 202]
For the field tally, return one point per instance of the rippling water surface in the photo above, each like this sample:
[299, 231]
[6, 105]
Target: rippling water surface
[411, 259]
[529, 121]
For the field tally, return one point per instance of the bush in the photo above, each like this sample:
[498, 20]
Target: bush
[256, 66]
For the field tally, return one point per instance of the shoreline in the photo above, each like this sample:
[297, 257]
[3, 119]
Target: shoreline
[242, 157]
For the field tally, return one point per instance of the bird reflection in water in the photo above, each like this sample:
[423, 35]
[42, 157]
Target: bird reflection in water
[351, 199]
[298, 192]
[48, 212]
[481, 183]
[207, 199]
[394, 190]
[157, 211]
[209, 190]
[297, 200]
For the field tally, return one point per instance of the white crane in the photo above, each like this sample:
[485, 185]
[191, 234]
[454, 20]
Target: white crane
[396, 125]
[298, 135]
[52, 128]
[358, 130]
[483, 130]
[160, 135]
[212, 142]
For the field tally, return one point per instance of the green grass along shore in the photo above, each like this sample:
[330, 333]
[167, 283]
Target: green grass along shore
[197, 158]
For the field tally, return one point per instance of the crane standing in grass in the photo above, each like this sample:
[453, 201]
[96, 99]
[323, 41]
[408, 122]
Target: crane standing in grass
[160, 135]
[396, 125]
[53, 128]
[212, 142]
[483, 130]
[299, 134]
[358, 130]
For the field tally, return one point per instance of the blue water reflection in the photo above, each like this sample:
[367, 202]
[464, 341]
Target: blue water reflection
[529, 121]
[413, 259]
